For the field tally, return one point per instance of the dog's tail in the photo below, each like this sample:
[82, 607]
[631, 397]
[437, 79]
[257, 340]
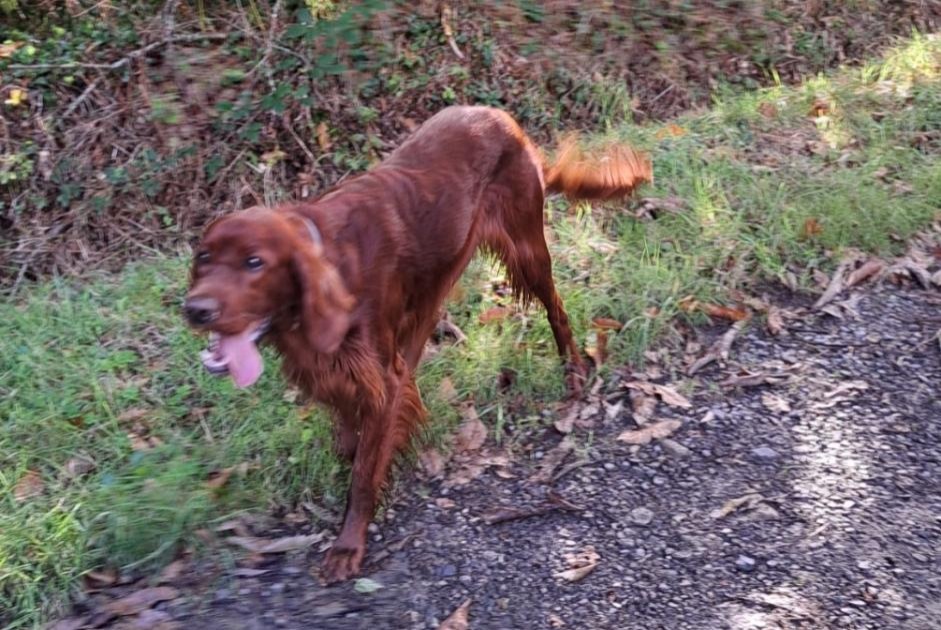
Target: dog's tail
[612, 171]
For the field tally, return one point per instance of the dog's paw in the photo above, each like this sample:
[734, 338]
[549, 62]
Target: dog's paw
[342, 562]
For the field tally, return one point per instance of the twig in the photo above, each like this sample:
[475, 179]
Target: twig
[81, 99]
[720, 349]
[287, 125]
[120, 63]
[446, 13]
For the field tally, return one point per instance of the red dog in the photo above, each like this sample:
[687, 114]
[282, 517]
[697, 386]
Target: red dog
[349, 287]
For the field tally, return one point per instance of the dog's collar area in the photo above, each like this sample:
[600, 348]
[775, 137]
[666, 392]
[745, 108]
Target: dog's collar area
[312, 231]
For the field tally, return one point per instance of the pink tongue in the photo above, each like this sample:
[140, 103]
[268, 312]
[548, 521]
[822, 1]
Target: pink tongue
[242, 357]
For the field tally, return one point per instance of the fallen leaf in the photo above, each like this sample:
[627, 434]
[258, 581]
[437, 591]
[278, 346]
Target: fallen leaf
[247, 572]
[323, 136]
[666, 393]
[366, 586]
[551, 460]
[566, 420]
[29, 485]
[598, 351]
[172, 572]
[219, 478]
[17, 97]
[775, 403]
[688, 304]
[132, 414]
[139, 601]
[725, 312]
[446, 390]
[811, 228]
[78, 466]
[642, 406]
[445, 503]
[820, 108]
[867, 270]
[748, 500]
[141, 442]
[71, 623]
[472, 433]
[836, 283]
[236, 525]
[432, 462]
[670, 130]
[719, 351]
[775, 321]
[458, 620]
[98, 579]
[605, 323]
[494, 314]
[275, 545]
[655, 431]
[8, 48]
[580, 565]
[671, 397]
[768, 110]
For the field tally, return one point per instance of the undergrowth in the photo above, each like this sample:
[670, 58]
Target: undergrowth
[104, 371]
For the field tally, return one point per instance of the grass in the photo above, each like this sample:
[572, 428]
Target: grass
[103, 367]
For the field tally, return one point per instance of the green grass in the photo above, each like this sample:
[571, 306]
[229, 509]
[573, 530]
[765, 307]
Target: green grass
[86, 362]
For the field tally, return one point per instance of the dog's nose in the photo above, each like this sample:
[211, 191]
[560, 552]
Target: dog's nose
[201, 310]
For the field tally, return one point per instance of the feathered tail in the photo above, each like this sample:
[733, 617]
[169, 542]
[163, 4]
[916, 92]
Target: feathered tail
[613, 171]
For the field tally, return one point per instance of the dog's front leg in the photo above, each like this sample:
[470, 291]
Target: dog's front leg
[371, 463]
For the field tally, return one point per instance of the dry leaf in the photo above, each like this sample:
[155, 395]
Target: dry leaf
[552, 460]
[30, 485]
[725, 312]
[566, 420]
[748, 500]
[472, 433]
[445, 503]
[78, 466]
[775, 403]
[446, 390]
[132, 414]
[719, 351]
[670, 130]
[247, 572]
[219, 478]
[598, 351]
[580, 565]
[606, 323]
[323, 137]
[768, 110]
[836, 283]
[494, 314]
[811, 228]
[458, 620]
[100, 578]
[139, 601]
[666, 393]
[275, 545]
[655, 431]
[775, 321]
[870, 268]
[172, 572]
[432, 462]
[642, 406]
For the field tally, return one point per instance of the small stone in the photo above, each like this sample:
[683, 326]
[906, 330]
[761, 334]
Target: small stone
[277, 587]
[293, 570]
[765, 454]
[746, 564]
[280, 622]
[610, 467]
[447, 570]
[674, 448]
[641, 516]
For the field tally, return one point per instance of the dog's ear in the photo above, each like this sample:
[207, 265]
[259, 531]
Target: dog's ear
[326, 305]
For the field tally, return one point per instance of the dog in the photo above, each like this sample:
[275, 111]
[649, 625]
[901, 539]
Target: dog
[349, 287]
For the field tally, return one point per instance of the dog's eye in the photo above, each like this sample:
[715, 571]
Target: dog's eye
[254, 263]
[202, 258]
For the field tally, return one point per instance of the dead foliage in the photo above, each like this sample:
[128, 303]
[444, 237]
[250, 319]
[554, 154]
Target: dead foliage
[133, 149]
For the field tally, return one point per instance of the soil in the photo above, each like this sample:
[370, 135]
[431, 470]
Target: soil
[811, 501]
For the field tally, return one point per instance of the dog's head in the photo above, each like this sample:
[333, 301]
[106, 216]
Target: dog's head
[259, 269]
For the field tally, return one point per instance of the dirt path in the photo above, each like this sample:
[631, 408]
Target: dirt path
[834, 468]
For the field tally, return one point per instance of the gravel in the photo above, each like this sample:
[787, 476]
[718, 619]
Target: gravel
[835, 519]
